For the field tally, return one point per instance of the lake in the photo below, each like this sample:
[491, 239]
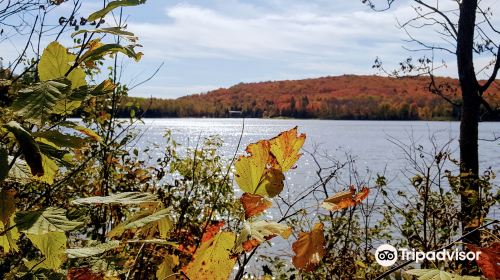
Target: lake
[368, 141]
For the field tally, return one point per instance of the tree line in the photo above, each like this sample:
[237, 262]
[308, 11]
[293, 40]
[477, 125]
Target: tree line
[345, 97]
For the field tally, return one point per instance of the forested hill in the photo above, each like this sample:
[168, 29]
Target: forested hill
[341, 97]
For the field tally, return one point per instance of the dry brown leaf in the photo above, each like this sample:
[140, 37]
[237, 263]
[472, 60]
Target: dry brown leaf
[83, 273]
[345, 199]
[309, 249]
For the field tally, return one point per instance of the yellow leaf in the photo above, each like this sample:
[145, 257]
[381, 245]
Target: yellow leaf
[8, 241]
[89, 132]
[286, 146]
[56, 61]
[164, 227]
[50, 169]
[213, 259]
[53, 247]
[309, 249]
[164, 271]
[252, 172]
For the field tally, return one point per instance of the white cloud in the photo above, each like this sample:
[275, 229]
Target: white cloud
[170, 91]
[193, 31]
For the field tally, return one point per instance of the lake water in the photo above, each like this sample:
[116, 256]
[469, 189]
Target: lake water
[368, 141]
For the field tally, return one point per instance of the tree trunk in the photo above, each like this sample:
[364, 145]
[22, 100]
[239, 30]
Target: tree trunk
[469, 162]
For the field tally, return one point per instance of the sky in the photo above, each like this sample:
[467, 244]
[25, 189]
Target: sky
[208, 44]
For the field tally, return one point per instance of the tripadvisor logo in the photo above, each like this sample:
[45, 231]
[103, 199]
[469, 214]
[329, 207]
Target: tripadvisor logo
[388, 255]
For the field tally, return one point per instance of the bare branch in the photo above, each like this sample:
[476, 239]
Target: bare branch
[493, 76]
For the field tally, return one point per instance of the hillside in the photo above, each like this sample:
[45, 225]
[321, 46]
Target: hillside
[341, 97]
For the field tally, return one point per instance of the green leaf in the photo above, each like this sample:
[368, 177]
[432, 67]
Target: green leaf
[53, 247]
[93, 250]
[73, 101]
[213, 259]
[4, 164]
[20, 171]
[125, 198]
[45, 221]
[66, 107]
[101, 51]
[56, 61]
[157, 216]
[113, 5]
[109, 30]
[40, 273]
[29, 147]
[36, 103]
[58, 139]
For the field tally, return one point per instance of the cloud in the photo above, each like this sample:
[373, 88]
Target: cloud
[170, 91]
[270, 40]
[194, 31]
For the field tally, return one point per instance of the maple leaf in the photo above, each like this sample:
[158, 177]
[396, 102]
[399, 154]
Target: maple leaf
[489, 260]
[345, 199]
[254, 204]
[309, 249]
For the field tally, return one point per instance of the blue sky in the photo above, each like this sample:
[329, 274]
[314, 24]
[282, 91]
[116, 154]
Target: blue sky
[209, 44]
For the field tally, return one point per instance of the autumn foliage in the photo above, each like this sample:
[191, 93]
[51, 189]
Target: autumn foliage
[342, 97]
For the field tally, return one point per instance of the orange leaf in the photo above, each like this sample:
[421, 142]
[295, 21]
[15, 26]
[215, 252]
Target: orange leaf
[212, 230]
[362, 195]
[254, 204]
[489, 260]
[249, 245]
[345, 199]
[309, 249]
[286, 146]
